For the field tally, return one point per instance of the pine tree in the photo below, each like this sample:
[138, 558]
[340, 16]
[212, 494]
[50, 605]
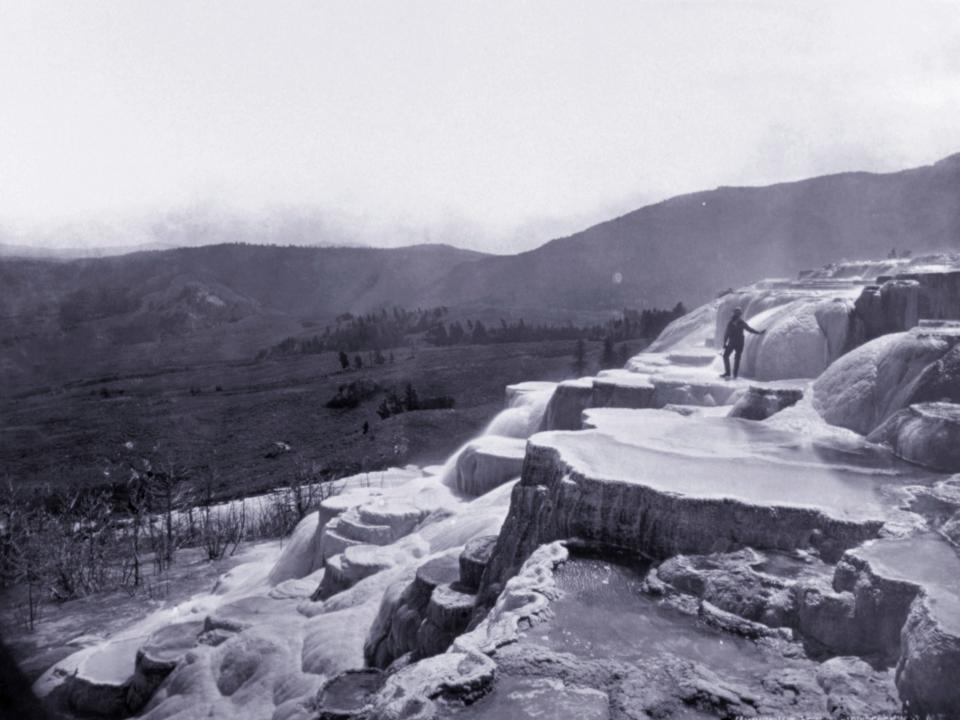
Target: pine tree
[609, 357]
[410, 399]
[580, 357]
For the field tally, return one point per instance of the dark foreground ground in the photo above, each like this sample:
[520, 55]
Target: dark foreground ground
[243, 428]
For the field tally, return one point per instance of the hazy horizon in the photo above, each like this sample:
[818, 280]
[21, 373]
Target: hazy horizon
[489, 128]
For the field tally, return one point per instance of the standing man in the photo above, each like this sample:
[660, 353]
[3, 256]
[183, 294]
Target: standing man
[733, 342]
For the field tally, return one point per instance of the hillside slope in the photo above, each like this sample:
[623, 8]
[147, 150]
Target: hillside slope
[690, 247]
[212, 303]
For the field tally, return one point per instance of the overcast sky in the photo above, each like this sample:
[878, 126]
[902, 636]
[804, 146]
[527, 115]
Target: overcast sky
[490, 125]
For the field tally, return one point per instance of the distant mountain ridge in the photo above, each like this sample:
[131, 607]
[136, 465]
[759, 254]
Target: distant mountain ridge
[691, 246]
[227, 301]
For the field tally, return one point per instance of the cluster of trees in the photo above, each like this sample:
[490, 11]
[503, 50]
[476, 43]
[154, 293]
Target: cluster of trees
[395, 402]
[374, 357]
[374, 331]
[355, 333]
[352, 394]
[612, 356]
[632, 324]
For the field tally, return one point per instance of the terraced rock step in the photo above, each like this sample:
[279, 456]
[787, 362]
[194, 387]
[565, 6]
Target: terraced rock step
[569, 400]
[404, 610]
[635, 390]
[333, 542]
[376, 522]
[358, 562]
[928, 669]
[487, 462]
[351, 526]
[474, 559]
[447, 615]
[662, 484]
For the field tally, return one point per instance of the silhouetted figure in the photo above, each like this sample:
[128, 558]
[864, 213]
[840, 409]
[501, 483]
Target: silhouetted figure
[733, 342]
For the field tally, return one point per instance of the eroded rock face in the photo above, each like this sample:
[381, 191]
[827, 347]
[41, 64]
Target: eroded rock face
[928, 673]
[473, 560]
[412, 620]
[891, 307]
[940, 381]
[569, 400]
[927, 434]
[760, 403]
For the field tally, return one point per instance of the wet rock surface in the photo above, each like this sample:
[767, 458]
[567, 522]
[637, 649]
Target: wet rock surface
[608, 650]
[349, 695]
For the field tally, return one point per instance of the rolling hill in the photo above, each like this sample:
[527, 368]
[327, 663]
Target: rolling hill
[225, 302]
[690, 247]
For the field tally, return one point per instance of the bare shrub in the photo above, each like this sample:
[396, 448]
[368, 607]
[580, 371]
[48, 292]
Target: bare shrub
[222, 529]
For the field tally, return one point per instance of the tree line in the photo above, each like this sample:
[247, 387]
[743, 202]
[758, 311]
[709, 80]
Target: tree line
[373, 332]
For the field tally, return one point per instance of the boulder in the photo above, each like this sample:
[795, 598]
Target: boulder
[854, 689]
[158, 657]
[868, 385]
[759, 403]
[455, 678]
[927, 434]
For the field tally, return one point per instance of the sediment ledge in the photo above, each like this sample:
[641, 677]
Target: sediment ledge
[653, 511]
